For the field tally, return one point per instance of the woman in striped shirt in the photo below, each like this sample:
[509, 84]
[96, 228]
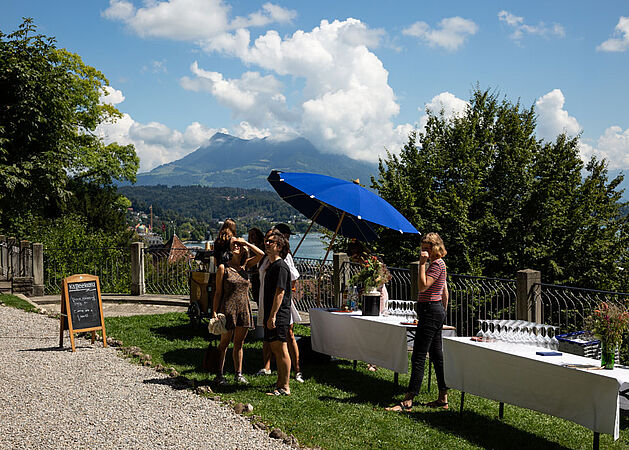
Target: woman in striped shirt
[431, 314]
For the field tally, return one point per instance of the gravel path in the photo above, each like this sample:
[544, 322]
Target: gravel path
[52, 398]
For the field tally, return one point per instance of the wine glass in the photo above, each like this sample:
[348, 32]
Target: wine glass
[491, 329]
[554, 343]
[539, 336]
[481, 333]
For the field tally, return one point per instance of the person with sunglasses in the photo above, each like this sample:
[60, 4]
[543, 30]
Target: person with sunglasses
[277, 299]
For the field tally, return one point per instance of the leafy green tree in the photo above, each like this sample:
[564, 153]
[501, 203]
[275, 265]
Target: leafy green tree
[49, 152]
[504, 200]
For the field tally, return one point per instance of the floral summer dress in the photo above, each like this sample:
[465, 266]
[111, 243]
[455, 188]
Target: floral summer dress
[235, 304]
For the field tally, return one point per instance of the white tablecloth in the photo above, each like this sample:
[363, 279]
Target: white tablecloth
[379, 340]
[514, 374]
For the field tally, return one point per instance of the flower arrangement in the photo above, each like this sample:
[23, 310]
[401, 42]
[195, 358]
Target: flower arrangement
[373, 274]
[608, 323]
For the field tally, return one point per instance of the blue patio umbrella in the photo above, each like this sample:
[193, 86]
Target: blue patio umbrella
[342, 206]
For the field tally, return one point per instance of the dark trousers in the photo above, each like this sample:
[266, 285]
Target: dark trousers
[431, 316]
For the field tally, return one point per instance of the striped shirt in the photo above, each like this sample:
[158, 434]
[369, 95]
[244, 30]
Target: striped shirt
[437, 271]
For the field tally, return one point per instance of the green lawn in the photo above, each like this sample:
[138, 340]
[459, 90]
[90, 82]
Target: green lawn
[16, 302]
[338, 407]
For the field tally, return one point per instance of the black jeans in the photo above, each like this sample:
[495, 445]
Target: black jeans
[431, 316]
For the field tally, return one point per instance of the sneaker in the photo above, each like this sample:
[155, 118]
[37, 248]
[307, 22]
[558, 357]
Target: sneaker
[299, 378]
[221, 380]
[263, 372]
[240, 379]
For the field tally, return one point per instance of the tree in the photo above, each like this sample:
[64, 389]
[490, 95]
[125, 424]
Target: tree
[504, 200]
[50, 156]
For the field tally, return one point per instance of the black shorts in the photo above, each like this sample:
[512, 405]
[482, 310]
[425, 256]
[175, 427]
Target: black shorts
[279, 333]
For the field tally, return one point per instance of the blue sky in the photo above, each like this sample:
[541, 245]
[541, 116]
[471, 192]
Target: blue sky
[354, 77]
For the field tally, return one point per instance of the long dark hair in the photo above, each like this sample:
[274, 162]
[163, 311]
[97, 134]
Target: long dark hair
[256, 237]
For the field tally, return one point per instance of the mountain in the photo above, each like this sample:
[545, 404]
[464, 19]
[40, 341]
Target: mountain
[235, 162]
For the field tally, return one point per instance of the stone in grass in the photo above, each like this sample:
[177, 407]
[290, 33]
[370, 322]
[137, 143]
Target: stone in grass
[173, 372]
[260, 425]
[145, 357]
[204, 390]
[249, 407]
[276, 433]
[113, 342]
[159, 367]
[291, 440]
[239, 408]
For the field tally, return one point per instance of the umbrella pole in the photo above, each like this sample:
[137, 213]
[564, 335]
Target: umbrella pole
[309, 227]
[326, 257]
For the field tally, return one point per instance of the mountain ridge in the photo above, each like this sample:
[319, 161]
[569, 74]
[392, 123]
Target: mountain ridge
[229, 161]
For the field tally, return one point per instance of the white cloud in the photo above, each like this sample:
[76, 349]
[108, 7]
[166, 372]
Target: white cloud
[451, 33]
[255, 98]
[613, 145]
[620, 41]
[111, 96]
[445, 102]
[347, 104]
[552, 118]
[190, 20]
[520, 28]
[245, 130]
[155, 143]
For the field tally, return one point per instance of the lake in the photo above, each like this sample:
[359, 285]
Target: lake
[312, 247]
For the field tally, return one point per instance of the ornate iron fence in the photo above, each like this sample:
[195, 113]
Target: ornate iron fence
[473, 298]
[567, 307]
[111, 265]
[167, 271]
[315, 287]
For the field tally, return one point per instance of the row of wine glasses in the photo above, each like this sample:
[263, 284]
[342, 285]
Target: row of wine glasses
[519, 332]
[403, 309]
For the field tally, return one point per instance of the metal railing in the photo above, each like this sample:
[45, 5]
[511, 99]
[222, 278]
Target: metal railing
[399, 287]
[473, 298]
[111, 265]
[167, 271]
[314, 288]
[567, 307]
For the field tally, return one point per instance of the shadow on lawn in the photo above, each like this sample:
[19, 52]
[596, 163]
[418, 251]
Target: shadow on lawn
[378, 389]
[482, 431]
[368, 387]
[183, 331]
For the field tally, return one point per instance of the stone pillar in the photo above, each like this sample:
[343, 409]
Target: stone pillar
[415, 281]
[26, 261]
[14, 257]
[4, 258]
[340, 276]
[38, 269]
[528, 295]
[137, 269]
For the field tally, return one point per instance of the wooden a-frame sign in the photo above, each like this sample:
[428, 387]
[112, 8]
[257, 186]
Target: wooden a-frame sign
[81, 307]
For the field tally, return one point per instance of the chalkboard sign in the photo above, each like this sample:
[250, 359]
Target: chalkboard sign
[84, 304]
[81, 307]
